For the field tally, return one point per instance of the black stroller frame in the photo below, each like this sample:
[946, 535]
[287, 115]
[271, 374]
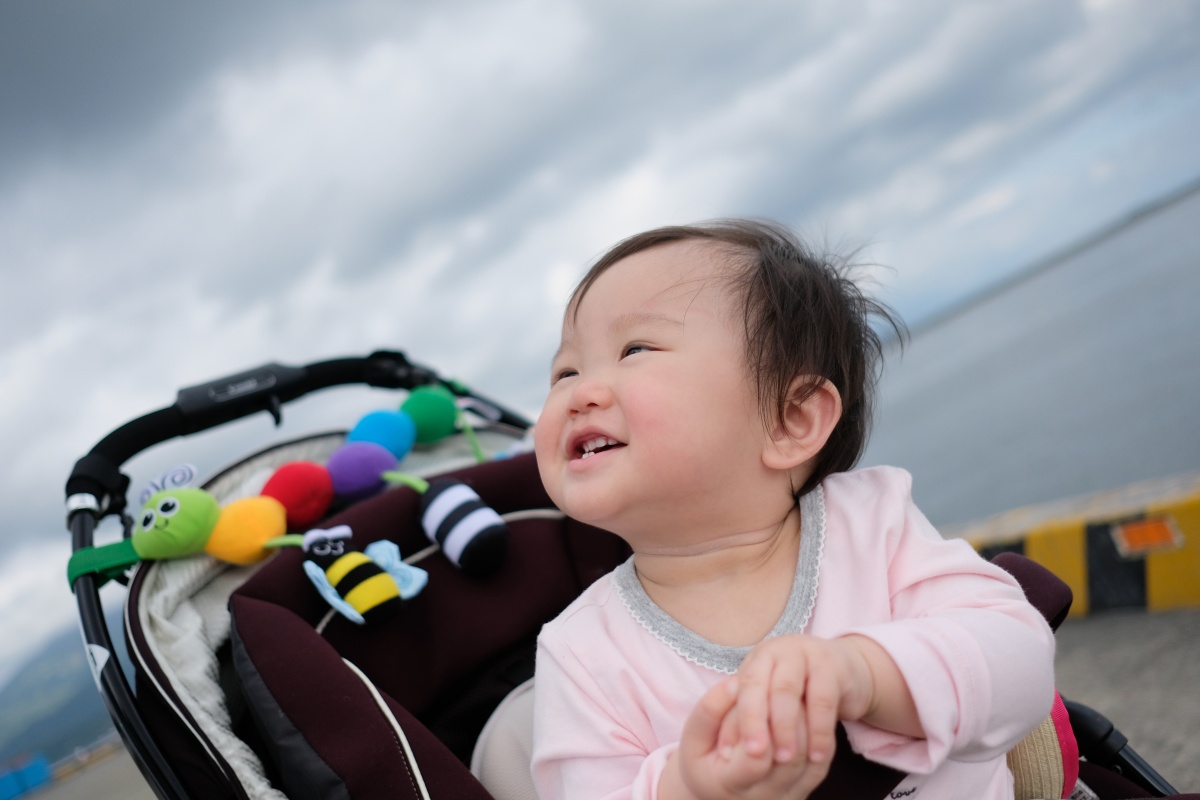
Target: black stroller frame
[97, 488]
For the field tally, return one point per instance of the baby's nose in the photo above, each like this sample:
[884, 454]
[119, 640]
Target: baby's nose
[590, 393]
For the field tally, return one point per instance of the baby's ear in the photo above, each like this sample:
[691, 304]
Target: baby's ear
[806, 424]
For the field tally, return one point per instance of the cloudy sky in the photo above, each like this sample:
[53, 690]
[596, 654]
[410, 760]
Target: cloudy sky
[190, 190]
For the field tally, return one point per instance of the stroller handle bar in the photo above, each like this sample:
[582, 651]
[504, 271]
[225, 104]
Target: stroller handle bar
[97, 485]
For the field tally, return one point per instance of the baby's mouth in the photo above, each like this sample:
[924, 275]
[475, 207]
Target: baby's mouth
[597, 444]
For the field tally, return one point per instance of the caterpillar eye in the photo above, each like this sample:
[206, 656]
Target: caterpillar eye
[168, 507]
[148, 520]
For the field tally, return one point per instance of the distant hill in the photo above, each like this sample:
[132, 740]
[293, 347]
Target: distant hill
[51, 706]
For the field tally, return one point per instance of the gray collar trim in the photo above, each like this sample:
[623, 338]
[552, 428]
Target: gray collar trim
[721, 658]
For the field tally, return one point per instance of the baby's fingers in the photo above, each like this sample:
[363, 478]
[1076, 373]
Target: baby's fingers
[706, 722]
[787, 725]
[753, 707]
[821, 701]
[727, 738]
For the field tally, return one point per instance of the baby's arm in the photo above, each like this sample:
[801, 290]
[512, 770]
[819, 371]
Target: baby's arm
[980, 676]
[976, 657]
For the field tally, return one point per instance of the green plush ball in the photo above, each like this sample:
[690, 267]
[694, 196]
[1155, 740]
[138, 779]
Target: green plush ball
[434, 411]
[174, 523]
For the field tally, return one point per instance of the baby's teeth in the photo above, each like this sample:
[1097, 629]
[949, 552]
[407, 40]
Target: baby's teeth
[592, 444]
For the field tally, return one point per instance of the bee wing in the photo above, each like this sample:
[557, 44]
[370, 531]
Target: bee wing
[410, 579]
[319, 580]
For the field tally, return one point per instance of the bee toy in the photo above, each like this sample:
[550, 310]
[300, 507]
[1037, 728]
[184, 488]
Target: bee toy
[365, 587]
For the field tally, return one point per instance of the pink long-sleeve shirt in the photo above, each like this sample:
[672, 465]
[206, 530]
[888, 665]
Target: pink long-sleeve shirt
[617, 677]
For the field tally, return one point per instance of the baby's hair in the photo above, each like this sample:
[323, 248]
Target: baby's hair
[803, 315]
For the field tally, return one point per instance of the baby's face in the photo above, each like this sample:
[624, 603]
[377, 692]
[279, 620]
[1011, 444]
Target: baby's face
[652, 421]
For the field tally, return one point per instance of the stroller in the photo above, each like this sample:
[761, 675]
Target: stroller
[246, 684]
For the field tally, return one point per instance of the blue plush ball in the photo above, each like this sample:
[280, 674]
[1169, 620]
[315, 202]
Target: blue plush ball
[394, 430]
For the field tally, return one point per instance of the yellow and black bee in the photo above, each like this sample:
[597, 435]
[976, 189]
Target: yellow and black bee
[364, 586]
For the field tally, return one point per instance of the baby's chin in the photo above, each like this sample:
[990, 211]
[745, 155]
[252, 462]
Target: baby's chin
[596, 513]
[589, 512]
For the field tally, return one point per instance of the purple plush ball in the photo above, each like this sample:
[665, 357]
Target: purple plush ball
[355, 468]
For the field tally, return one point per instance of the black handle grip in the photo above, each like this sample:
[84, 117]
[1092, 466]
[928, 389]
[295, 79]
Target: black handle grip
[1101, 743]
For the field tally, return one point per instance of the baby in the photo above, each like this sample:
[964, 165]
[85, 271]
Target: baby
[712, 389]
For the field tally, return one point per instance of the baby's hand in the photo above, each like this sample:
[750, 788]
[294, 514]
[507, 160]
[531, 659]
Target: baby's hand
[769, 732]
[792, 690]
[701, 768]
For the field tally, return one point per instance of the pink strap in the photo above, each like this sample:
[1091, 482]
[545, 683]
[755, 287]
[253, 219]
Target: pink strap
[1066, 743]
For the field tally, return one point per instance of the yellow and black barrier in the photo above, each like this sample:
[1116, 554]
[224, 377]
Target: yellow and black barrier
[1138, 547]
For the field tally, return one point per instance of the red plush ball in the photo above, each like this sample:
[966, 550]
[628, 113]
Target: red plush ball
[305, 489]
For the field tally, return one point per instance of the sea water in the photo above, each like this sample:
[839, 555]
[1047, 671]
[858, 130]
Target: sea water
[1080, 376]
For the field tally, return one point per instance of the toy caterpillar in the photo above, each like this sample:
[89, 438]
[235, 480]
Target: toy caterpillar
[180, 522]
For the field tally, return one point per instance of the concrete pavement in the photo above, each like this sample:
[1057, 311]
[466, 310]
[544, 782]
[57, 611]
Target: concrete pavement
[1142, 671]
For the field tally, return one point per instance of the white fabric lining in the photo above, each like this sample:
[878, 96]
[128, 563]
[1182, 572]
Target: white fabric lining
[504, 749]
[183, 630]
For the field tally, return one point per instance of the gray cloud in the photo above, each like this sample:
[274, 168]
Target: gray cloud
[78, 81]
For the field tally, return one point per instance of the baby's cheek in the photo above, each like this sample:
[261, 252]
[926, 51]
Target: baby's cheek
[544, 448]
[540, 447]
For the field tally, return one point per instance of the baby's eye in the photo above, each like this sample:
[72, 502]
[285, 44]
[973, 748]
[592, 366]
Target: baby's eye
[631, 349]
[558, 375]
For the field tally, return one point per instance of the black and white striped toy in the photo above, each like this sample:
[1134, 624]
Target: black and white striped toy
[468, 531]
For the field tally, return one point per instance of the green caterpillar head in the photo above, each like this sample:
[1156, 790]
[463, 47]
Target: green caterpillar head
[175, 523]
